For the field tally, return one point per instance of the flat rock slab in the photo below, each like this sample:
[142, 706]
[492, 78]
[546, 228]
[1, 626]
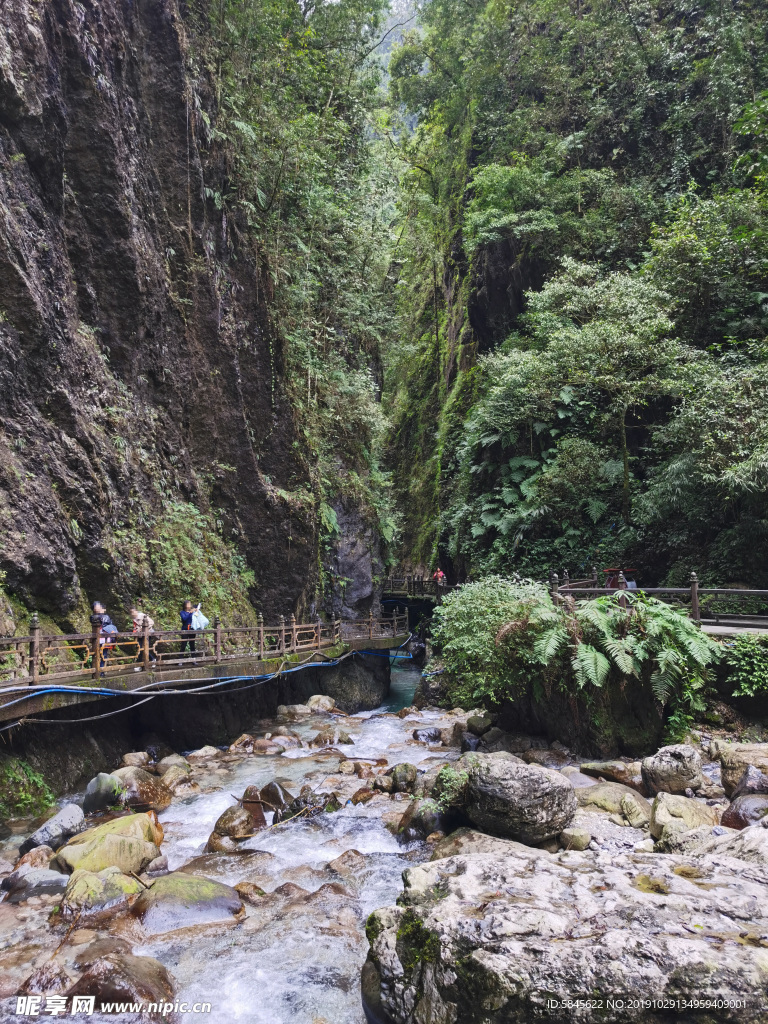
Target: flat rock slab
[180, 900]
[521, 937]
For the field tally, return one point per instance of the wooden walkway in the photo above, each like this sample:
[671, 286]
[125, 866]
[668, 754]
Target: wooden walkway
[79, 657]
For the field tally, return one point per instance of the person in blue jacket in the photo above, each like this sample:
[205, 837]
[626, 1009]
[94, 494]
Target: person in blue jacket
[187, 636]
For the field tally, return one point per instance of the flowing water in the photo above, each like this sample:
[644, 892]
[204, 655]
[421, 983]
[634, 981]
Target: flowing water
[297, 955]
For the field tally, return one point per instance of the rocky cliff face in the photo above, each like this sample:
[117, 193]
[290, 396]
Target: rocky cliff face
[137, 359]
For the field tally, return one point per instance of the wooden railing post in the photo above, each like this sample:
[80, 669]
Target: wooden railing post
[622, 586]
[261, 635]
[145, 646]
[695, 611]
[293, 633]
[566, 578]
[34, 649]
[370, 624]
[318, 633]
[554, 586]
[96, 645]
[217, 638]
[594, 576]
[282, 635]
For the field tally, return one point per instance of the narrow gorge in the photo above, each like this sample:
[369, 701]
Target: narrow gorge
[384, 511]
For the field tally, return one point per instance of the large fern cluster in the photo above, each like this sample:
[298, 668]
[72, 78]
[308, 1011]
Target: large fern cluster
[627, 636]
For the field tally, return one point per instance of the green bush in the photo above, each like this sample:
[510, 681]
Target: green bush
[746, 665]
[23, 793]
[498, 636]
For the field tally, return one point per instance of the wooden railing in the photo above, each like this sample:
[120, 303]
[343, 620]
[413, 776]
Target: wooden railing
[414, 586]
[708, 605]
[42, 658]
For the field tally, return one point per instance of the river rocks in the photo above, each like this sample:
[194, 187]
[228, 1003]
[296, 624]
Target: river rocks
[203, 754]
[251, 802]
[470, 841]
[628, 773]
[523, 802]
[745, 810]
[673, 769]
[674, 839]
[250, 892]
[109, 849]
[141, 826]
[137, 759]
[180, 900]
[218, 843]
[171, 761]
[494, 938]
[576, 778]
[243, 744]
[276, 796]
[90, 895]
[176, 777]
[48, 978]
[614, 798]
[575, 839]
[680, 811]
[735, 758]
[478, 725]
[330, 736]
[403, 777]
[423, 817]
[384, 783]
[363, 795]
[102, 791]
[749, 844]
[432, 735]
[140, 789]
[294, 710]
[40, 857]
[319, 702]
[351, 862]
[57, 830]
[236, 822]
[36, 882]
[752, 781]
[122, 977]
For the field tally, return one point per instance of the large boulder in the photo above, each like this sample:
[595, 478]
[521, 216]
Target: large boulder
[749, 844]
[614, 798]
[403, 777]
[321, 702]
[236, 822]
[140, 789]
[745, 810]
[37, 882]
[752, 781]
[137, 759]
[423, 817]
[276, 797]
[92, 895]
[508, 938]
[57, 830]
[628, 773]
[180, 900]
[682, 812]
[129, 843]
[122, 977]
[673, 770]
[470, 841]
[735, 758]
[517, 801]
[101, 792]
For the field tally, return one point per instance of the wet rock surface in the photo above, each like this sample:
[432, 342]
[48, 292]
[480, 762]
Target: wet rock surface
[505, 935]
[180, 900]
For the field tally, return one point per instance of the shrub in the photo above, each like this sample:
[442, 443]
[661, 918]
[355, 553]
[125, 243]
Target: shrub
[498, 636]
[746, 665]
[23, 792]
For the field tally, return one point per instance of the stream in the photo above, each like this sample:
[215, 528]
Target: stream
[297, 957]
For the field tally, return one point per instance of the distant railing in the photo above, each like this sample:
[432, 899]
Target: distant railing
[415, 586]
[39, 657]
[708, 605]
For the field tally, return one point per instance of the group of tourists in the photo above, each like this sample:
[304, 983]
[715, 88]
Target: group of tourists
[192, 622]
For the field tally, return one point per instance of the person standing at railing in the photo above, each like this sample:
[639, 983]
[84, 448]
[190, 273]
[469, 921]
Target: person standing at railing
[439, 577]
[107, 631]
[187, 636]
[142, 621]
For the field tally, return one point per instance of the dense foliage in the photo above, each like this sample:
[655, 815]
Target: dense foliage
[499, 639]
[584, 286]
[746, 666]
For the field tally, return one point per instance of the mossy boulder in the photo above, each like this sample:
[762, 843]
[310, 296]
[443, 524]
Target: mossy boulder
[681, 812]
[94, 894]
[121, 977]
[124, 852]
[180, 900]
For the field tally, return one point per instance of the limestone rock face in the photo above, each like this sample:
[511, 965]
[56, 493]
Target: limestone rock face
[491, 938]
[680, 811]
[517, 801]
[468, 840]
[673, 770]
[56, 831]
[749, 844]
[735, 758]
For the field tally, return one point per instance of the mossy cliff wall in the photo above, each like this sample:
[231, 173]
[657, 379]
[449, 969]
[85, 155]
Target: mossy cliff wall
[139, 368]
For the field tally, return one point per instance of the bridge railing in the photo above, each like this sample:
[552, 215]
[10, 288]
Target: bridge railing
[415, 586]
[78, 656]
[727, 606]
